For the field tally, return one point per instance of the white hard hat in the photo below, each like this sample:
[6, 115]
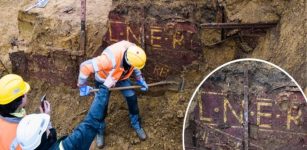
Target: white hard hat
[30, 130]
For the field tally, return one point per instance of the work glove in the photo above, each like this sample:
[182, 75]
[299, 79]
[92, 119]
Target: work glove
[142, 82]
[85, 90]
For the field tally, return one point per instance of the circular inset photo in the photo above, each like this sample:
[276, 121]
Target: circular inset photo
[247, 104]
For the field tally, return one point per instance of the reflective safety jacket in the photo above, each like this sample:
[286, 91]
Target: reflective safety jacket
[108, 67]
[7, 134]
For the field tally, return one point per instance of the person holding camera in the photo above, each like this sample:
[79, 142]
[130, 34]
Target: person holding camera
[13, 98]
[33, 131]
[21, 131]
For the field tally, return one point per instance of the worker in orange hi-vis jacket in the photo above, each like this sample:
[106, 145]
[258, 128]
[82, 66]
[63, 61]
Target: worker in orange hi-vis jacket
[113, 68]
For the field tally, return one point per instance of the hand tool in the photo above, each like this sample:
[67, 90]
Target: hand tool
[179, 85]
[38, 4]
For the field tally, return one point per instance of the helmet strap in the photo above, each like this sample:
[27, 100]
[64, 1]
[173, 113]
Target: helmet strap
[126, 63]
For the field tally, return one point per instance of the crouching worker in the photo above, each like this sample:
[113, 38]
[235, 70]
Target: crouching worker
[32, 131]
[13, 98]
[113, 68]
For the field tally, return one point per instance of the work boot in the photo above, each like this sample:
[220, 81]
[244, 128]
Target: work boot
[137, 127]
[100, 136]
[100, 141]
[141, 134]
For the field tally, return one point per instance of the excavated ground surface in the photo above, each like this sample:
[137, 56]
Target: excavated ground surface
[161, 120]
[50, 37]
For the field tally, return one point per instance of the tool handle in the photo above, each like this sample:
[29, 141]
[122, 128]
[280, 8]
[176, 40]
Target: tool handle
[31, 7]
[137, 86]
[82, 40]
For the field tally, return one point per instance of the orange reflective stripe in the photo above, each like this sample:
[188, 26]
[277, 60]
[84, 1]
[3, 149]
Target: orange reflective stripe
[99, 78]
[7, 134]
[117, 73]
[87, 69]
[102, 75]
[103, 64]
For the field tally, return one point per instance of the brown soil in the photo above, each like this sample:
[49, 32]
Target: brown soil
[55, 28]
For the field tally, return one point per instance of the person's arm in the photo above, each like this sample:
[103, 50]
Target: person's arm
[84, 134]
[86, 69]
[110, 80]
[137, 74]
[46, 110]
[140, 80]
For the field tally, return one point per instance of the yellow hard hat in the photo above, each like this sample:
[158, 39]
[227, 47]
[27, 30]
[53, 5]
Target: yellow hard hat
[136, 57]
[12, 86]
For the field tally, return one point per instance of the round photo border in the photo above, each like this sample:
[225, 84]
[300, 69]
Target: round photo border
[223, 65]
